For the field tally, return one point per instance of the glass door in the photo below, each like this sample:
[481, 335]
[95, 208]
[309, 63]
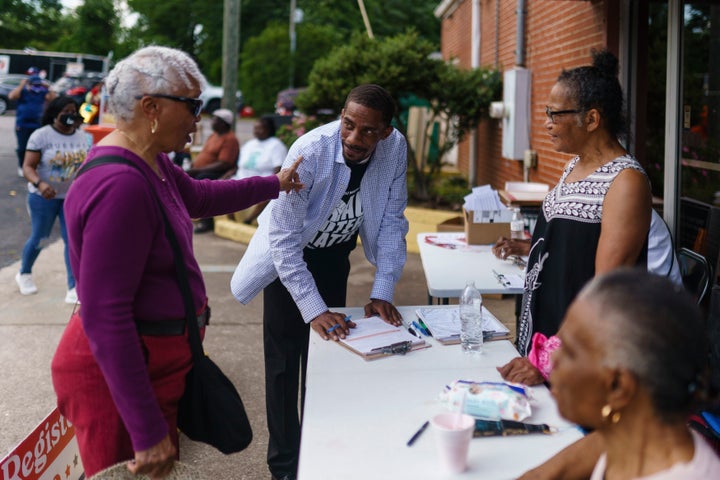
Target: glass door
[699, 169]
[700, 138]
[674, 52]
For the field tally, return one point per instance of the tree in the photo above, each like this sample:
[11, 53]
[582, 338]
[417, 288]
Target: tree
[403, 64]
[265, 65]
[196, 26]
[94, 29]
[176, 23]
[387, 17]
[30, 23]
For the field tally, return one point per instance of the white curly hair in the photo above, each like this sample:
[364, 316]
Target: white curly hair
[151, 69]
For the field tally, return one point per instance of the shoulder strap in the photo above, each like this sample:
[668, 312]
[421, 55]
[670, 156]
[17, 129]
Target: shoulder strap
[105, 159]
[180, 269]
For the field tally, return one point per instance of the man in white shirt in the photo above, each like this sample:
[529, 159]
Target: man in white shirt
[354, 171]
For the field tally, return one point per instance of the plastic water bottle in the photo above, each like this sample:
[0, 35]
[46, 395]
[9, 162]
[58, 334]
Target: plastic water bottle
[517, 225]
[471, 332]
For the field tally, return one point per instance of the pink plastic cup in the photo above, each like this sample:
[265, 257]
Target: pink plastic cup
[453, 432]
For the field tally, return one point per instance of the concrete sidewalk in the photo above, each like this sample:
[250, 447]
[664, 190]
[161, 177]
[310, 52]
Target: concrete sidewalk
[31, 326]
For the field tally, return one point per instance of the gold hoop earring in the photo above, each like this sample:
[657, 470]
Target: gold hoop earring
[154, 126]
[607, 412]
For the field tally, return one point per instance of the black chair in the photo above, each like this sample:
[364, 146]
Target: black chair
[696, 273]
[707, 421]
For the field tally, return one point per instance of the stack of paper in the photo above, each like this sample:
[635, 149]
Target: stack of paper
[372, 334]
[444, 324]
[486, 206]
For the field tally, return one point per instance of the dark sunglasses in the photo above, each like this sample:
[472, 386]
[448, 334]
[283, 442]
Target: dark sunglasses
[552, 114]
[194, 104]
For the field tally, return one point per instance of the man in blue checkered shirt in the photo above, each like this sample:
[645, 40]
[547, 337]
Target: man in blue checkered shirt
[354, 172]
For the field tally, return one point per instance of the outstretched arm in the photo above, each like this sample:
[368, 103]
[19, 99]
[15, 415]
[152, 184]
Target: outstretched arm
[574, 462]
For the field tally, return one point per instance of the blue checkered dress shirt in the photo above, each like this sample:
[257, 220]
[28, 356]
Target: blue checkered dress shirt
[289, 222]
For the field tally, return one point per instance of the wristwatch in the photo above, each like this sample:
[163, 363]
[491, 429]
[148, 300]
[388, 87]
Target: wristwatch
[37, 184]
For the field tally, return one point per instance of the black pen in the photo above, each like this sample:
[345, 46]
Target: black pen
[410, 329]
[417, 434]
[501, 278]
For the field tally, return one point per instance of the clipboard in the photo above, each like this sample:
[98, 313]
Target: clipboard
[373, 338]
[444, 325]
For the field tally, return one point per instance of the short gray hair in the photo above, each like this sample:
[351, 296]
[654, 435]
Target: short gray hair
[654, 329]
[150, 70]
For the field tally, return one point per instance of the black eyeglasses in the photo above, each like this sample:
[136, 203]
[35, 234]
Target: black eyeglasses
[552, 114]
[194, 104]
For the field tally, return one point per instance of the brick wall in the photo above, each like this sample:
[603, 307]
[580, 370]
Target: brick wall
[559, 34]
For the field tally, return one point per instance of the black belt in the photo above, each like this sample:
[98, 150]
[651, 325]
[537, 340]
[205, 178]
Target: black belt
[166, 328]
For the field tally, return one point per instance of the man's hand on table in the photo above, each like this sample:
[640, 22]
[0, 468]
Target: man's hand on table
[332, 326]
[384, 310]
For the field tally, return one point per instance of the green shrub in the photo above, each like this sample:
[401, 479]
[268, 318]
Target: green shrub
[450, 191]
[299, 127]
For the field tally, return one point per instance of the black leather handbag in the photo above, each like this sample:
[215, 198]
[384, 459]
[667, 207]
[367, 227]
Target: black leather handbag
[211, 410]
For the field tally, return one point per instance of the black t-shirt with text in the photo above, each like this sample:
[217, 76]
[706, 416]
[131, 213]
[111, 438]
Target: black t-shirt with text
[340, 231]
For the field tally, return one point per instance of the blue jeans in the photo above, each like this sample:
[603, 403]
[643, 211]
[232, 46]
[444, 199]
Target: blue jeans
[43, 213]
[22, 134]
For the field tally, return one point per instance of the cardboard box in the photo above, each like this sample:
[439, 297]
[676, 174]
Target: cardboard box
[483, 233]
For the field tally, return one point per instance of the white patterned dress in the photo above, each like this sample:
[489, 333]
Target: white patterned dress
[565, 240]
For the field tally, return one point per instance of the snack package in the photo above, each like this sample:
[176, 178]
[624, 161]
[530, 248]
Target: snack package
[490, 400]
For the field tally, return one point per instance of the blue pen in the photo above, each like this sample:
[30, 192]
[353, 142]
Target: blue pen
[419, 328]
[426, 330]
[337, 325]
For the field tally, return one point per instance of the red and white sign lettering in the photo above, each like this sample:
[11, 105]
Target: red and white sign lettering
[50, 452]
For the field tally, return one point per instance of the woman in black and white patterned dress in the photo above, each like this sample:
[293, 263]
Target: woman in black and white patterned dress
[598, 215]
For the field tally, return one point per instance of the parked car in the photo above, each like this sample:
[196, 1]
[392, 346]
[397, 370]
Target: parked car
[77, 86]
[7, 84]
[212, 98]
[285, 101]
[285, 105]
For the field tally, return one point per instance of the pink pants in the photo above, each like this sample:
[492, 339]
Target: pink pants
[84, 398]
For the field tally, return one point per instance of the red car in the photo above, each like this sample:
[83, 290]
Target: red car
[77, 86]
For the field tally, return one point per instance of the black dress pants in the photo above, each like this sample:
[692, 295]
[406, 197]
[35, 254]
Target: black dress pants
[286, 347]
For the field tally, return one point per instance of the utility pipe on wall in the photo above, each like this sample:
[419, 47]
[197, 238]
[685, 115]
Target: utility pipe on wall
[520, 59]
[474, 63]
[520, 34]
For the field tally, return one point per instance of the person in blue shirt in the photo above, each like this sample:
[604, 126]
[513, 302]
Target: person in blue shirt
[354, 170]
[31, 94]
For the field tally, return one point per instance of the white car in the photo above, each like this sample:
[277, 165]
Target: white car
[212, 98]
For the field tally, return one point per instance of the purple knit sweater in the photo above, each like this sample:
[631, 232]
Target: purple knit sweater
[124, 266]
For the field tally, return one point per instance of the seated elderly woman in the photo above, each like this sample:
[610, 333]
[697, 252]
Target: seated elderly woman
[632, 366]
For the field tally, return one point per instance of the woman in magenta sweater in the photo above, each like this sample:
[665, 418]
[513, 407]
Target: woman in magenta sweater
[120, 368]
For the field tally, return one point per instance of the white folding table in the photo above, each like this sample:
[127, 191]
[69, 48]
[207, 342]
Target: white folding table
[359, 414]
[447, 269]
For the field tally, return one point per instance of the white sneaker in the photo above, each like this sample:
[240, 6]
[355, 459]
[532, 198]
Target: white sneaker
[26, 284]
[20, 172]
[71, 297]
